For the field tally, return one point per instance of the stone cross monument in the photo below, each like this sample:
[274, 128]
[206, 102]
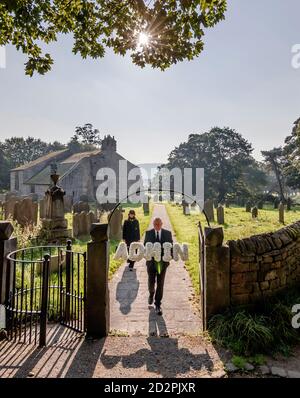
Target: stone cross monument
[54, 225]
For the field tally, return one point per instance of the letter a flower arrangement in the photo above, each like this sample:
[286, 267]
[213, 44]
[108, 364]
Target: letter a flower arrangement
[137, 252]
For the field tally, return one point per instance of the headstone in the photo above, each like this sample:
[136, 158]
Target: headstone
[115, 224]
[289, 204]
[146, 208]
[187, 210]
[281, 212]
[209, 209]
[76, 225]
[248, 207]
[9, 207]
[54, 225]
[220, 215]
[276, 203]
[260, 205]
[34, 197]
[84, 198]
[42, 206]
[26, 212]
[81, 206]
[68, 200]
[254, 212]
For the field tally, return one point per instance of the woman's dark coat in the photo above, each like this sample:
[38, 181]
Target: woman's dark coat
[131, 231]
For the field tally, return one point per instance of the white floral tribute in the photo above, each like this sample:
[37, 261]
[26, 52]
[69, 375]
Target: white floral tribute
[137, 251]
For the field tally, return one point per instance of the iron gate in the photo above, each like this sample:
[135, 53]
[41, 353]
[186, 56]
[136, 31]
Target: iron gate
[45, 284]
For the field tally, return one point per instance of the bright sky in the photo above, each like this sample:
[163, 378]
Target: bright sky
[243, 79]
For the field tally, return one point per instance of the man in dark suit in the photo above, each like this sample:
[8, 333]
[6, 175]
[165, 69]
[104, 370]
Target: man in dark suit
[157, 234]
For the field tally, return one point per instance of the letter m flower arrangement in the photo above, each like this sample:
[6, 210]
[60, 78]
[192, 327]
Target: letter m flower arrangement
[137, 252]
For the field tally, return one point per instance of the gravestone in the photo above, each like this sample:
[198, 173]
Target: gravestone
[248, 207]
[81, 206]
[54, 225]
[281, 212]
[260, 205]
[254, 212]
[115, 224]
[42, 206]
[34, 197]
[146, 206]
[26, 212]
[289, 204]
[220, 215]
[68, 201]
[9, 207]
[209, 209]
[187, 210]
[84, 198]
[276, 203]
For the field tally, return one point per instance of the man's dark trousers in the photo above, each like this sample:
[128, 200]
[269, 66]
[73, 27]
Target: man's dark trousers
[153, 277]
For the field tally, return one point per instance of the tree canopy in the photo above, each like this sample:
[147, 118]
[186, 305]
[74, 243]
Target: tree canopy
[226, 158]
[174, 28]
[291, 153]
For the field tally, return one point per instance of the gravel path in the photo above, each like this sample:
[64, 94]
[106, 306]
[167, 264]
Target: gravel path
[130, 312]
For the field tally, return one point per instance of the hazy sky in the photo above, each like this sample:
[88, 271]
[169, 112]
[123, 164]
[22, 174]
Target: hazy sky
[243, 79]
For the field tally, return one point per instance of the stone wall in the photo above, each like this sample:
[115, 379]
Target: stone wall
[262, 265]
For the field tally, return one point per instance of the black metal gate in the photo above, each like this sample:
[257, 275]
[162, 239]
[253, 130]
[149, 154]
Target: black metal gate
[45, 284]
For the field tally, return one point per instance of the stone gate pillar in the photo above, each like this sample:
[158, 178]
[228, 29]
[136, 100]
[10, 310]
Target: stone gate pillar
[217, 262]
[7, 245]
[97, 304]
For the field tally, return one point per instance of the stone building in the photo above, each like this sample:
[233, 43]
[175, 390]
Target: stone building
[77, 171]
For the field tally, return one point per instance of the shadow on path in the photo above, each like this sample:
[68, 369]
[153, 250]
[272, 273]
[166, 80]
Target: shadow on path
[127, 290]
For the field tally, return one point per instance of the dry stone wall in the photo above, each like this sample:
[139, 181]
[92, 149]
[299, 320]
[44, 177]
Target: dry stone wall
[262, 265]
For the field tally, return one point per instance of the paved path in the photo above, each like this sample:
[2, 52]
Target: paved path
[130, 312]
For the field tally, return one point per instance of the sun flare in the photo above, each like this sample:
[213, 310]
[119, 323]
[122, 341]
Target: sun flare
[143, 39]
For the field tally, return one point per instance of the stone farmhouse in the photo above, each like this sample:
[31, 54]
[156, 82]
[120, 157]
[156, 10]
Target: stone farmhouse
[77, 171]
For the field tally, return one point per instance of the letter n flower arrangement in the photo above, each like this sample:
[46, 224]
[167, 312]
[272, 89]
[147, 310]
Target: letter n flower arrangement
[137, 252]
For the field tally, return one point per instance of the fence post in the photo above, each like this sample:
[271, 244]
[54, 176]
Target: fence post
[68, 280]
[217, 271]
[97, 304]
[7, 245]
[44, 302]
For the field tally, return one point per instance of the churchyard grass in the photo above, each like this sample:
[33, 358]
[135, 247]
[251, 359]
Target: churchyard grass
[238, 224]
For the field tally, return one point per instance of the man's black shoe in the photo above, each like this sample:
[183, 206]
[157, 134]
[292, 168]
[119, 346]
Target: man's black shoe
[150, 300]
[158, 310]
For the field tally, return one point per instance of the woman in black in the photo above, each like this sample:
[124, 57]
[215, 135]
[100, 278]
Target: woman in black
[131, 232]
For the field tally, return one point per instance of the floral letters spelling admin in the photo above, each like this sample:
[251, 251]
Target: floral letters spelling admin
[137, 251]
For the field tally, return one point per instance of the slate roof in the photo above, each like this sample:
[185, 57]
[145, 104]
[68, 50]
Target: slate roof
[39, 160]
[43, 177]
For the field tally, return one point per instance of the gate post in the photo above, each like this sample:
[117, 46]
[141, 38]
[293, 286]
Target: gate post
[7, 245]
[44, 303]
[217, 271]
[97, 304]
[68, 280]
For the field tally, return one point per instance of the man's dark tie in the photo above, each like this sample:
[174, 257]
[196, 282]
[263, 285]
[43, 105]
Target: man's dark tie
[157, 237]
